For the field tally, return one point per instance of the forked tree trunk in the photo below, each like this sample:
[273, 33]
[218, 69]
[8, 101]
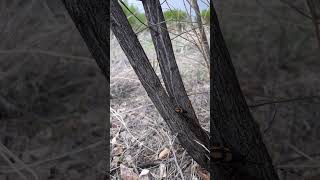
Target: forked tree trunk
[182, 123]
[168, 65]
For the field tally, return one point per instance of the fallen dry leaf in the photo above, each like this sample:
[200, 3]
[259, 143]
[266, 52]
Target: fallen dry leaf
[114, 140]
[145, 175]
[127, 173]
[164, 153]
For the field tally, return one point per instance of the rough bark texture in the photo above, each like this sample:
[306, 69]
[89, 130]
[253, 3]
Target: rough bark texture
[232, 123]
[187, 131]
[92, 20]
[168, 66]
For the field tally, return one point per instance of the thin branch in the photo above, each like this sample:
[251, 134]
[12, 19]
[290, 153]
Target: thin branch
[196, 93]
[166, 29]
[291, 172]
[300, 166]
[284, 101]
[271, 121]
[13, 166]
[299, 158]
[132, 12]
[4, 149]
[101, 142]
[50, 53]
[174, 155]
[299, 11]
[300, 152]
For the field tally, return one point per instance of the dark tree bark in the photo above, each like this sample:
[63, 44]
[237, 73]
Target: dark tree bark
[91, 18]
[232, 124]
[188, 131]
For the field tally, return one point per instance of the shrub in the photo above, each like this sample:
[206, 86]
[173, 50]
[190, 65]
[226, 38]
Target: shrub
[175, 15]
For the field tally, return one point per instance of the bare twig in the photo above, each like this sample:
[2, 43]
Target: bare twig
[13, 166]
[293, 147]
[291, 172]
[284, 101]
[50, 53]
[298, 166]
[300, 158]
[101, 142]
[299, 11]
[132, 13]
[4, 149]
[271, 121]
[174, 155]
[118, 116]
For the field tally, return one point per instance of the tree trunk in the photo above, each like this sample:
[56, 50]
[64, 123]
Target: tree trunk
[203, 36]
[232, 124]
[190, 134]
[91, 18]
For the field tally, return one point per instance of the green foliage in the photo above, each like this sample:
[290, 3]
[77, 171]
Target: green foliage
[133, 15]
[176, 18]
[205, 14]
[175, 15]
